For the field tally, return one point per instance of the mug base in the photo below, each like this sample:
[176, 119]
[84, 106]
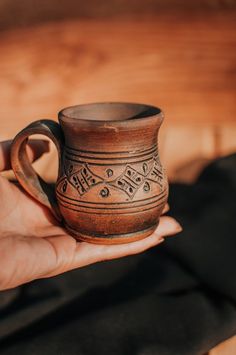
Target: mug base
[114, 238]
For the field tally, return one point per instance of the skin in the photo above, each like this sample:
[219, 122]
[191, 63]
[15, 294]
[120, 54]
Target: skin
[34, 246]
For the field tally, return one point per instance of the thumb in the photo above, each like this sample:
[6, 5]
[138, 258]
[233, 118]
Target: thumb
[35, 148]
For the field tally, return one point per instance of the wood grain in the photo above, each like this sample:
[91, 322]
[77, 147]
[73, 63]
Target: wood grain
[187, 66]
[27, 12]
[184, 64]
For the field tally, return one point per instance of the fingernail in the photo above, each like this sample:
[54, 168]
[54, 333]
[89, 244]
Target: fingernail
[174, 224]
[178, 227]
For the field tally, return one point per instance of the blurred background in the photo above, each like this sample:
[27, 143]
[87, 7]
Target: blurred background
[179, 55]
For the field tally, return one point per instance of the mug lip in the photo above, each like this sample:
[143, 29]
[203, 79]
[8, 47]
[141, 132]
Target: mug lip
[157, 113]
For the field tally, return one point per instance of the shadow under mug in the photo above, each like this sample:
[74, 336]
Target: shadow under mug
[111, 187]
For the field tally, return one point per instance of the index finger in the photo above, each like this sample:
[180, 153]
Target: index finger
[35, 148]
[166, 208]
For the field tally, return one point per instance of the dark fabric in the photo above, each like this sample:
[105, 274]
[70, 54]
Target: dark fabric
[176, 299]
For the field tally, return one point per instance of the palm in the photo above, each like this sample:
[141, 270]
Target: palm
[19, 207]
[33, 245]
[30, 237]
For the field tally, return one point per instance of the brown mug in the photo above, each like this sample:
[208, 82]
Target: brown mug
[111, 187]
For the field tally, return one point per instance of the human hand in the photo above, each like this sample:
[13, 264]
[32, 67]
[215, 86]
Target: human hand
[32, 243]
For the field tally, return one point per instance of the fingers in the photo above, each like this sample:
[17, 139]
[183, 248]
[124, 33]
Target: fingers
[35, 148]
[71, 254]
[90, 253]
[166, 208]
[168, 226]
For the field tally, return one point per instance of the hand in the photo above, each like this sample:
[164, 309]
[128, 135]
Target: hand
[33, 245]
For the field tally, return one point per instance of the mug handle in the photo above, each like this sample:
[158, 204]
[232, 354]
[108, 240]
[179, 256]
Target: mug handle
[24, 172]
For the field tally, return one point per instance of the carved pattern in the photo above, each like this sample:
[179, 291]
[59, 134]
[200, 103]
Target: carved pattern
[145, 168]
[109, 172]
[146, 187]
[156, 173]
[64, 186]
[104, 192]
[84, 179]
[130, 181]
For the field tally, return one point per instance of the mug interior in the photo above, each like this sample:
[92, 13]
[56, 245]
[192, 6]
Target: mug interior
[111, 111]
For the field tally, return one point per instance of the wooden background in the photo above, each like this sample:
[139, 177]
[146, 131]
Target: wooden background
[28, 12]
[179, 55]
[184, 64]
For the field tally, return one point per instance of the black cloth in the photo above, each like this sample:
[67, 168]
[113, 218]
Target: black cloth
[176, 299]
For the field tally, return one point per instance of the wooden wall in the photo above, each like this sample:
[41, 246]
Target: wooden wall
[28, 12]
[186, 64]
[179, 55]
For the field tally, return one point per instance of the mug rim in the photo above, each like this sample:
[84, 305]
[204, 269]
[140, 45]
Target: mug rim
[146, 111]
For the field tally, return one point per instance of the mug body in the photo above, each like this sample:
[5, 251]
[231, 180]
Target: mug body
[112, 187]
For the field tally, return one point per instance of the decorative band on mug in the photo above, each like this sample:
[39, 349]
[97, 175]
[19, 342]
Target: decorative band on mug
[110, 211]
[98, 158]
[112, 208]
[112, 155]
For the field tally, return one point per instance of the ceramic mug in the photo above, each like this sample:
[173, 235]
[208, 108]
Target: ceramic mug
[111, 187]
